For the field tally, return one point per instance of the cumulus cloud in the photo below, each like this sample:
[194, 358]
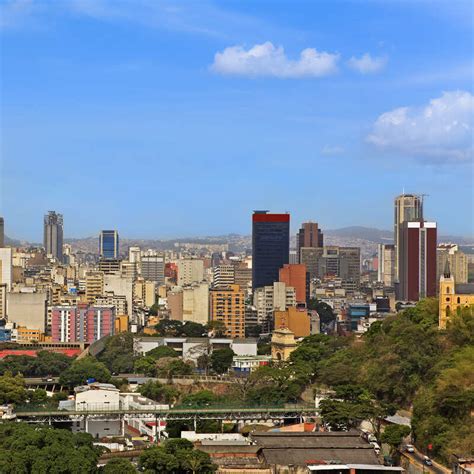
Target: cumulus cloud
[442, 130]
[367, 64]
[268, 60]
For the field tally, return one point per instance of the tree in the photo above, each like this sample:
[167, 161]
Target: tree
[146, 365]
[12, 389]
[158, 392]
[119, 465]
[217, 328]
[170, 367]
[393, 435]
[221, 360]
[118, 353]
[340, 416]
[326, 313]
[38, 396]
[169, 327]
[153, 311]
[83, 369]
[162, 351]
[156, 459]
[192, 329]
[198, 462]
[26, 448]
[200, 399]
[174, 446]
[45, 363]
[273, 385]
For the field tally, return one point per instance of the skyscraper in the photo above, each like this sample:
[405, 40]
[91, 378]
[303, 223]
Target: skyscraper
[153, 267]
[417, 260]
[53, 235]
[309, 235]
[386, 269]
[270, 246]
[408, 207]
[109, 244]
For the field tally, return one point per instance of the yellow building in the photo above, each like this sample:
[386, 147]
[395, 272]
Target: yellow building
[94, 286]
[452, 296]
[121, 323]
[227, 304]
[145, 291]
[294, 319]
[25, 334]
[283, 344]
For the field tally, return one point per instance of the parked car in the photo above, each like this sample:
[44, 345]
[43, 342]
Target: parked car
[409, 448]
[371, 438]
[376, 448]
[427, 461]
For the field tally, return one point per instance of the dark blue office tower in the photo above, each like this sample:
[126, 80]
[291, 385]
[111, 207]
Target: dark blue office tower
[270, 246]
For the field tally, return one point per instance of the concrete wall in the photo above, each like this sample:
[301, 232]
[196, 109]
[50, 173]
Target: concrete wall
[27, 309]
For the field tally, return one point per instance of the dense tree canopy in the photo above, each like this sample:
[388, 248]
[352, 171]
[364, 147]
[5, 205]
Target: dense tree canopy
[119, 466]
[45, 363]
[162, 351]
[158, 392]
[221, 360]
[176, 456]
[118, 354]
[83, 369]
[27, 448]
[12, 389]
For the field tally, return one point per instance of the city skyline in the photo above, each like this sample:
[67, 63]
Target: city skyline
[144, 119]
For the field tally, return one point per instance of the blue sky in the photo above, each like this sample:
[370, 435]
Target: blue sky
[166, 119]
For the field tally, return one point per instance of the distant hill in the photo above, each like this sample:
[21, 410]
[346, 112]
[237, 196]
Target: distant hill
[363, 233]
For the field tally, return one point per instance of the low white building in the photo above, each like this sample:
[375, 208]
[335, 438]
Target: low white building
[247, 364]
[97, 397]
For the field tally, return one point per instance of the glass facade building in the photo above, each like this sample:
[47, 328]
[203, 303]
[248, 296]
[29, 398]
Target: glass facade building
[270, 246]
[109, 244]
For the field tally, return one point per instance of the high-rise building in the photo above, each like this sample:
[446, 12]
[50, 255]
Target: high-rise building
[82, 323]
[309, 235]
[270, 246]
[228, 306]
[94, 286]
[134, 254]
[190, 270]
[386, 264]
[109, 244]
[408, 207]
[145, 292]
[6, 267]
[417, 261]
[267, 299]
[296, 276]
[153, 267]
[333, 261]
[458, 262]
[223, 275]
[2, 232]
[53, 235]
[196, 303]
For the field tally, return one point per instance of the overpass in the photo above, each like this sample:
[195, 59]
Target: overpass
[254, 414]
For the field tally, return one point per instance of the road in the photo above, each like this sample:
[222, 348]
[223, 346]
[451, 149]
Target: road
[418, 458]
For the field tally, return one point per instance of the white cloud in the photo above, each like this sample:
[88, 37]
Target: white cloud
[442, 130]
[267, 60]
[367, 64]
[331, 150]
